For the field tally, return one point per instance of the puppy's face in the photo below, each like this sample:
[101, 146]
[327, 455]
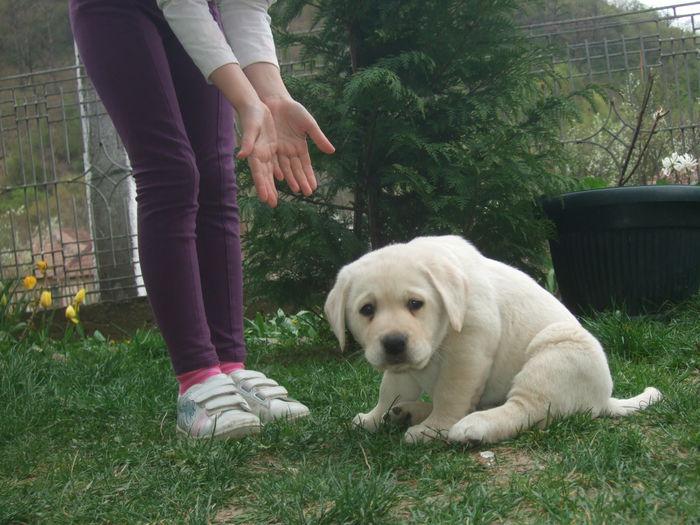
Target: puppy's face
[397, 317]
[396, 306]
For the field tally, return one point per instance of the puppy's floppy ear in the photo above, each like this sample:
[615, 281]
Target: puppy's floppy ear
[335, 305]
[450, 281]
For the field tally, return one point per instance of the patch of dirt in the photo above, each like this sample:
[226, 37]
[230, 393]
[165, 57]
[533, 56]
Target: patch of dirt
[505, 462]
[230, 514]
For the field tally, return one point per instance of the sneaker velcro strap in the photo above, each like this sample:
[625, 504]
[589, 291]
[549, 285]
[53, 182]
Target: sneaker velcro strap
[250, 384]
[270, 392]
[211, 391]
[225, 403]
[247, 374]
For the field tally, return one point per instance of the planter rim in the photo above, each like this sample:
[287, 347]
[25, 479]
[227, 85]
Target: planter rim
[625, 194]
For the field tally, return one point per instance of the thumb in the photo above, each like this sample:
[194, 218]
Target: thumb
[247, 144]
[313, 130]
[320, 139]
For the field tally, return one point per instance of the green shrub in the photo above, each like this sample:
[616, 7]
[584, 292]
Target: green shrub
[302, 327]
[445, 119]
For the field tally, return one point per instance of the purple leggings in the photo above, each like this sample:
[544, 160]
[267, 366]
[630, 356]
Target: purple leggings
[179, 133]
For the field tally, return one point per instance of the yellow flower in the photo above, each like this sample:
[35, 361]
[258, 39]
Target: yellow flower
[45, 299]
[42, 266]
[3, 300]
[29, 282]
[79, 297]
[71, 315]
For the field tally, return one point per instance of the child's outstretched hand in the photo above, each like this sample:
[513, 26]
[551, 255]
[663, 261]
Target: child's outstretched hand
[258, 145]
[293, 123]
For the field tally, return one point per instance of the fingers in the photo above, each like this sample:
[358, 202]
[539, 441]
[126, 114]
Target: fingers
[296, 169]
[261, 169]
[285, 165]
[308, 171]
[263, 181]
[307, 181]
[305, 172]
[277, 171]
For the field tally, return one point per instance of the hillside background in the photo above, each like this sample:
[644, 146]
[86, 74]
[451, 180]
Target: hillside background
[36, 35]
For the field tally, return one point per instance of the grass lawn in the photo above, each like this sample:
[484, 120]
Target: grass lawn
[87, 435]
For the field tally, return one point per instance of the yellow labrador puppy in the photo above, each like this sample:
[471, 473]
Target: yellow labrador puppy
[495, 351]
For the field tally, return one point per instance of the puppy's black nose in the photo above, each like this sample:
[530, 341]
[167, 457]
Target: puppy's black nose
[394, 344]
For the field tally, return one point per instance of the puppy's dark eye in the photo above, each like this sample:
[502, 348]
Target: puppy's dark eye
[367, 310]
[415, 304]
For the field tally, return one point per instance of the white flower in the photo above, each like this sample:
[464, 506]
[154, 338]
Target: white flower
[686, 162]
[680, 166]
[666, 166]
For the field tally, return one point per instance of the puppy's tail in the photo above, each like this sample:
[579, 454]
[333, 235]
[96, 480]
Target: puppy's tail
[623, 407]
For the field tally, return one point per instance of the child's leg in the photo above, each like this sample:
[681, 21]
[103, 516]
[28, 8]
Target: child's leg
[127, 49]
[209, 121]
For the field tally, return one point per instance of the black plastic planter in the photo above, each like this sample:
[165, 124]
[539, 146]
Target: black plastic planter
[635, 247]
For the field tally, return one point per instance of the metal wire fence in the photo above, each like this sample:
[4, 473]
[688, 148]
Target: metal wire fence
[66, 196]
[655, 49]
[54, 204]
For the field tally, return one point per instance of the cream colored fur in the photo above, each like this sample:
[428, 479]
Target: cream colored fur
[495, 351]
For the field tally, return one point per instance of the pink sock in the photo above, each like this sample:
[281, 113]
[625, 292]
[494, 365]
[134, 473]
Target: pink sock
[196, 376]
[229, 366]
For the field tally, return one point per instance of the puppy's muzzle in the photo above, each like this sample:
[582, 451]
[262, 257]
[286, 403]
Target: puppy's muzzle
[395, 347]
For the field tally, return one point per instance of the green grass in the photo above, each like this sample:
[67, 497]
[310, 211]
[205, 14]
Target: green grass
[87, 436]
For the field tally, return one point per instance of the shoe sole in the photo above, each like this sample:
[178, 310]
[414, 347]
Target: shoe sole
[265, 418]
[233, 433]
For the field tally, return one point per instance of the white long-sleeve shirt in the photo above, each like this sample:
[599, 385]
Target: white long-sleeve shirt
[247, 36]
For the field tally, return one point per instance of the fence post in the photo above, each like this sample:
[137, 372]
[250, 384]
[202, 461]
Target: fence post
[109, 197]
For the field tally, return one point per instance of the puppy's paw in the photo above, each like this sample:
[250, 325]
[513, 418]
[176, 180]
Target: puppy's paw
[409, 413]
[473, 429]
[366, 421]
[421, 434]
[398, 415]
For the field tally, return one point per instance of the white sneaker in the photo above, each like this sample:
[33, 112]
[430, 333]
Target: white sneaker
[267, 399]
[215, 408]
